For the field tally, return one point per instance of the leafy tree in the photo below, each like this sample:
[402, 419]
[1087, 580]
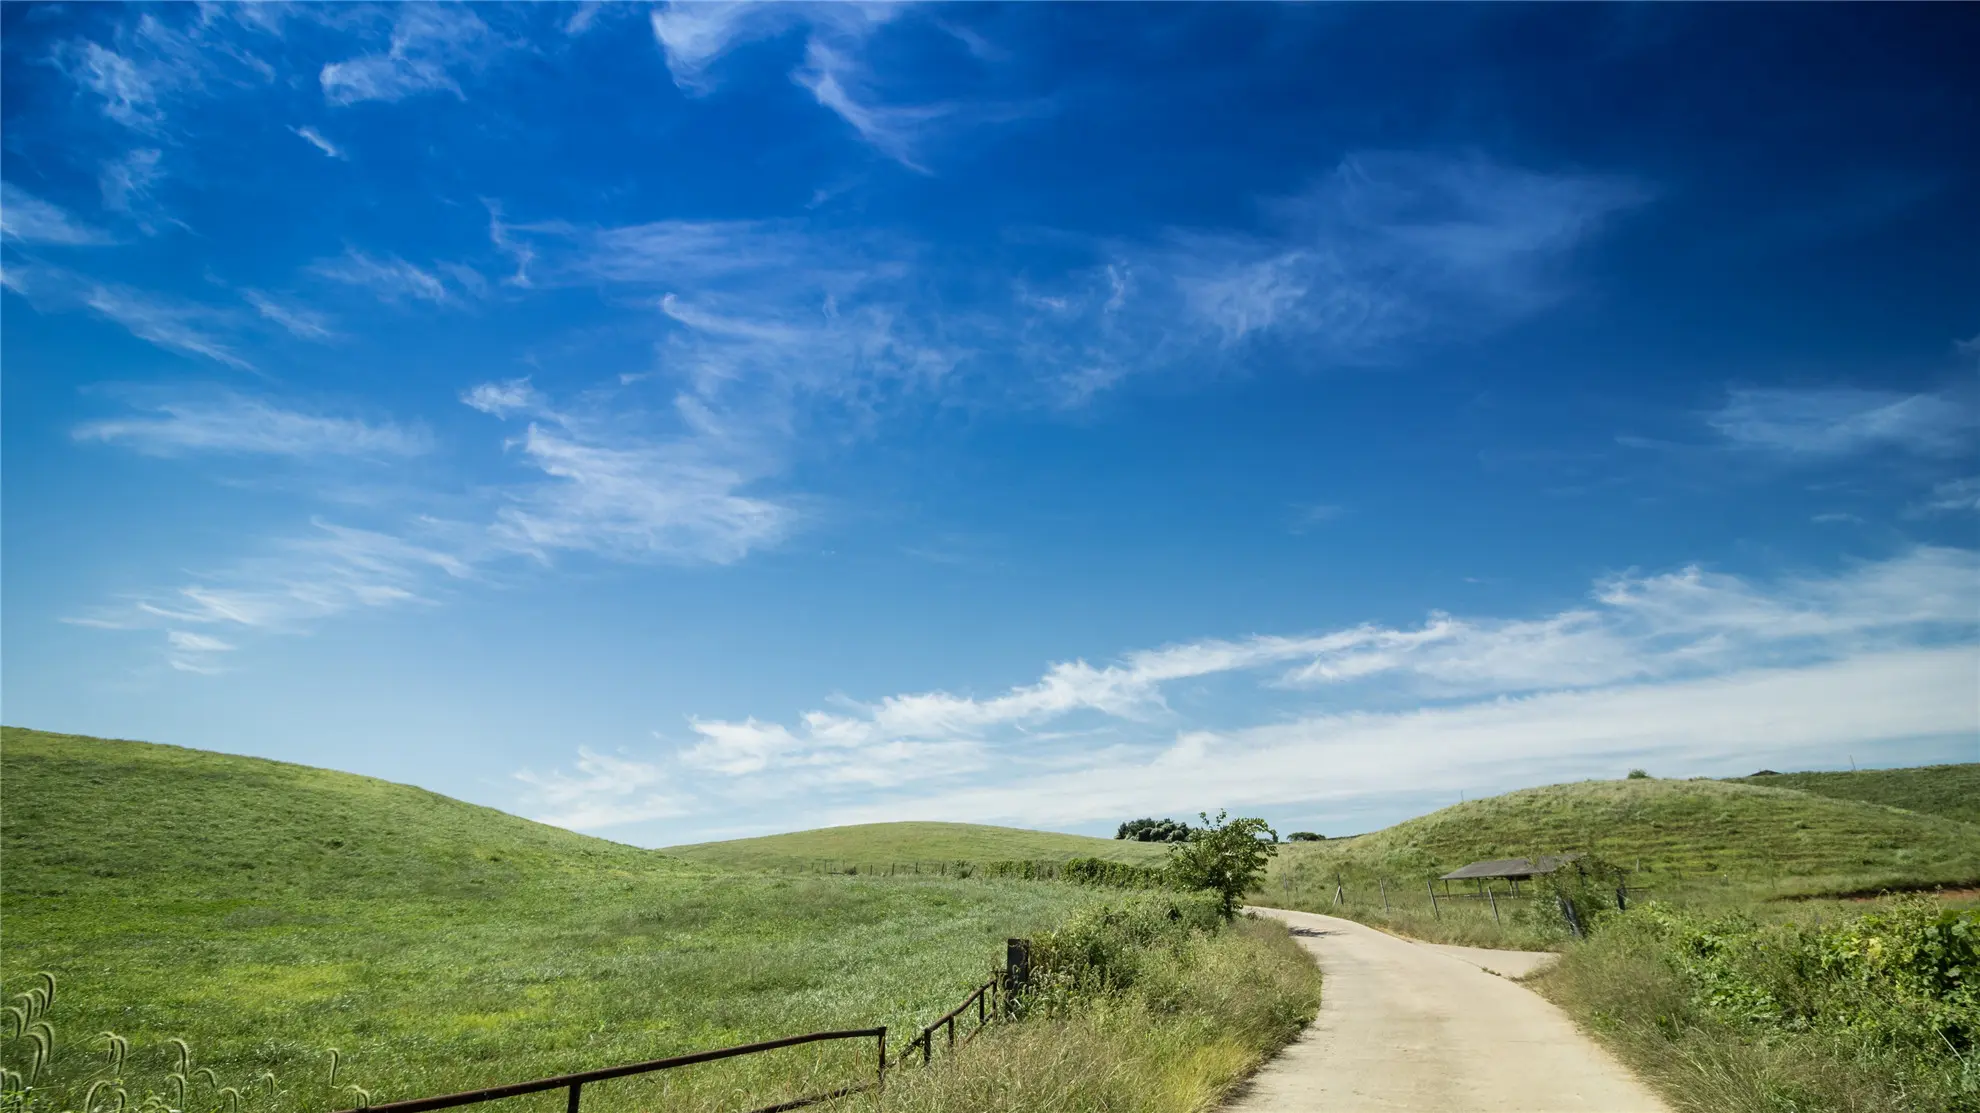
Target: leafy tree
[1224, 856]
[1639, 775]
[1153, 830]
[1305, 836]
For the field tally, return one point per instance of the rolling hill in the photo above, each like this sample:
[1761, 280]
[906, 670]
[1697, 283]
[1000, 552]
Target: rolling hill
[879, 844]
[1692, 827]
[1952, 791]
[267, 912]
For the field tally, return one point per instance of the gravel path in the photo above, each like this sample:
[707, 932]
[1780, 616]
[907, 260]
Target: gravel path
[1423, 1028]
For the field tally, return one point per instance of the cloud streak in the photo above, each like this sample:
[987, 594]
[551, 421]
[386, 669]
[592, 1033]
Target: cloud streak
[227, 423]
[1671, 665]
[1841, 422]
[25, 218]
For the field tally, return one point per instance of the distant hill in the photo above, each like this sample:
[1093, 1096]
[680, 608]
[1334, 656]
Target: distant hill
[878, 844]
[1952, 791]
[1701, 826]
[98, 815]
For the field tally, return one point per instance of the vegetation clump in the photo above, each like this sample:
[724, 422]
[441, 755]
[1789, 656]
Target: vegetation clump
[1874, 1012]
[1145, 1002]
[1226, 857]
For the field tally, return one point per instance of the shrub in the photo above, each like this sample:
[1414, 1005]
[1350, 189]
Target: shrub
[1226, 857]
[1639, 775]
[1878, 1012]
[1305, 836]
[1120, 875]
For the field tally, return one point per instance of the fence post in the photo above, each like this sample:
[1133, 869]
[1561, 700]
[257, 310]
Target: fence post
[572, 1105]
[880, 1082]
[1622, 897]
[1017, 972]
[1432, 886]
[1384, 882]
[1495, 905]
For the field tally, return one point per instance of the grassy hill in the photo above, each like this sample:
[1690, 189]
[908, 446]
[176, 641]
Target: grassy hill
[1756, 833]
[1952, 791]
[881, 844]
[267, 912]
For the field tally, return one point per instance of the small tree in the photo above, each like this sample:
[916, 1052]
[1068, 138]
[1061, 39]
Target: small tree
[1639, 774]
[1226, 857]
[1305, 836]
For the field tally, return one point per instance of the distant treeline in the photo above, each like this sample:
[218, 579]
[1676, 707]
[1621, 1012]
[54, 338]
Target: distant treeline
[1083, 871]
[1153, 830]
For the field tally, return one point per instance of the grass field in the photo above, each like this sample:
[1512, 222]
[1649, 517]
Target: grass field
[268, 912]
[1706, 844]
[869, 846]
[1951, 791]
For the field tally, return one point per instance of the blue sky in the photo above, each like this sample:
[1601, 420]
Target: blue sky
[686, 422]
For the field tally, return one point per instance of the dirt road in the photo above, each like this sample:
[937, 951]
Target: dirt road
[1409, 1026]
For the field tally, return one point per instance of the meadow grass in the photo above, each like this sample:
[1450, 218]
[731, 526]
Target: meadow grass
[267, 913]
[1951, 791]
[871, 847]
[1697, 843]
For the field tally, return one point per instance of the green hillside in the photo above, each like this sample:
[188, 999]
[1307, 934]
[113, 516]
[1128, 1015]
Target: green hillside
[267, 912]
[880, 844]
[1762, 833]
[1952, 791]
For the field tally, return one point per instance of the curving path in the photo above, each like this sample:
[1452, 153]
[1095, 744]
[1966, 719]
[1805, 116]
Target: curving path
[1423, 1027]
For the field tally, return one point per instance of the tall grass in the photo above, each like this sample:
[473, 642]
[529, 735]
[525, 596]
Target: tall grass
[1133, 1012]
[1877, 1012]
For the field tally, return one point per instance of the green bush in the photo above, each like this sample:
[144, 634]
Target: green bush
[1875, 1012]
[1120, 875]
[1224, 856]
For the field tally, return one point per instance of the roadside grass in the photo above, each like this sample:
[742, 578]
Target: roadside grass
[1950, 791]
[871, 847]
[267, 913]
[1873, 1012]
[1168, 1020]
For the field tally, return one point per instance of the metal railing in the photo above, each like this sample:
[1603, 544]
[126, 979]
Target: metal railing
[992, 1000]
[575, 1083]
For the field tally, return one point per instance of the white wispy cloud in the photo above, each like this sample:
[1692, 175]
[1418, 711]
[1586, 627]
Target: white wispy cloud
[695, 36]
[836, 80]
[1673, 665]
[1390, 247]
[316, 139]
[191, 652]
[300, 321]
[127, 181]
[1843, 421]
[297, 581]
[429, 42]
[224, 422]
[389, 277]
[180, 326]
[1953, 495]
[1720, 725]
[129, 92]
[156, 56]
[604, 791]
[630, 495]
[28, 219]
